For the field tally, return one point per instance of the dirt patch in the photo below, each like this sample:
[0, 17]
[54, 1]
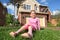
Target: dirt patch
[54, 28]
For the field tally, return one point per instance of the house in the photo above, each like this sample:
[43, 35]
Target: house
[3, 11]
[43, 12]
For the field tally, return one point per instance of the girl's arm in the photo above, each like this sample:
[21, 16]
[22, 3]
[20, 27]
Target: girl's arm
[38, 27]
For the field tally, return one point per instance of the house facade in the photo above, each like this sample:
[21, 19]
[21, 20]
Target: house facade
[43, 12]
[3, 11]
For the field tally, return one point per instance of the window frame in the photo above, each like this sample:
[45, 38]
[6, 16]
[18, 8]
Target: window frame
[27, 7]
[35, 7]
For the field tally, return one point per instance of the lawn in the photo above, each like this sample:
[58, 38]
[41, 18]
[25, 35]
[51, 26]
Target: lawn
[45, 34]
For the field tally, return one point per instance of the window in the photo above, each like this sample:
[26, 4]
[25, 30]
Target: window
[35, 7]
[42, 9]
[27, 7]
[24, 6]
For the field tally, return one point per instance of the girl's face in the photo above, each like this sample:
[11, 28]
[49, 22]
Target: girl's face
[33, 14]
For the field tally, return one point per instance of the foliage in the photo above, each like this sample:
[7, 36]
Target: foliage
[16, 1]
[58, 23]
[16, 22]
[57, 16]
[45, 34]
[9, 19]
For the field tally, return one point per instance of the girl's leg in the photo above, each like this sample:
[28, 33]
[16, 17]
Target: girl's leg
[28, 34]
[20, 30]
[30, 31]
[13, 34]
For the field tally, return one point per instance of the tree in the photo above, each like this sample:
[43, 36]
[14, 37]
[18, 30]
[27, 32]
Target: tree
[57, 17]
[16, 1]
[57, 14]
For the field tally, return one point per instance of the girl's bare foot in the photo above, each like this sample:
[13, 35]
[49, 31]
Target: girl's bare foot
[13, 34]
[30, 34]
[26, 35]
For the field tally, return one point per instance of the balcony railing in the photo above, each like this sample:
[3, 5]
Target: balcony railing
[43, 9]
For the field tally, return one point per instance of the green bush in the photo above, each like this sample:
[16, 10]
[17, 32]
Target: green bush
[9, 19]
[16, 22]
[58, 24]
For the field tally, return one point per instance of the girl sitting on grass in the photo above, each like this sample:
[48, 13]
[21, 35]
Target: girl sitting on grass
[32, 25]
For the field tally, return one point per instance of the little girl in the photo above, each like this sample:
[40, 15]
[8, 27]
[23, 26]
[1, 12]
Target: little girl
[32, 25]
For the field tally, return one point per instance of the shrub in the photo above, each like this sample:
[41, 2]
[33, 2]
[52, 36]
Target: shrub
[9, 19]
[16, 22]
[58, 24]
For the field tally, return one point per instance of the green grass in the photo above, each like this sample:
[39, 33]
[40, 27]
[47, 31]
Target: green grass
[50, 25]
[45, 34]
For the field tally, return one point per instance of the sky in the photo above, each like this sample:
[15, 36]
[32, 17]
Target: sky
[52, 4]
[10, 7]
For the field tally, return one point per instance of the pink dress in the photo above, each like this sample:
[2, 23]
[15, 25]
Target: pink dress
[34, 23]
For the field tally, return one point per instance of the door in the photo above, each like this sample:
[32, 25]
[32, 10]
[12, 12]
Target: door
[27, 19]
[42, 22]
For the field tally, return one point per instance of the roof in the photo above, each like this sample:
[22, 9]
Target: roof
[37, 2]
[34, 1]
[2, 5]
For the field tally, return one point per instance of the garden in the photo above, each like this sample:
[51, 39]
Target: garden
[49, 33]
